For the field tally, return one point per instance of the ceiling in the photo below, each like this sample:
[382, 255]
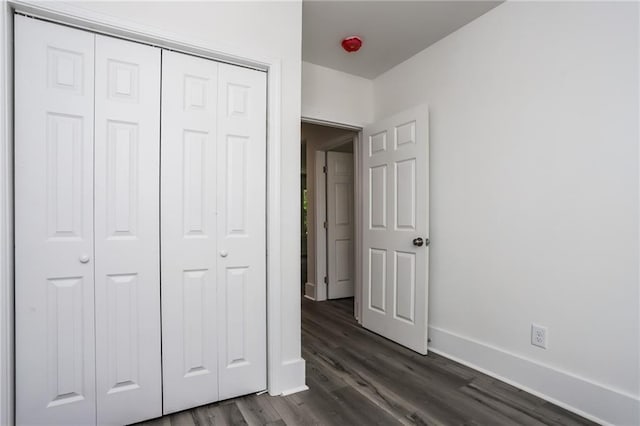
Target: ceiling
[392, 31]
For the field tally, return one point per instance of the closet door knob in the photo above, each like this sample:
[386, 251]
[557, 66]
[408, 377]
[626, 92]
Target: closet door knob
[84, 258]
[223, 253]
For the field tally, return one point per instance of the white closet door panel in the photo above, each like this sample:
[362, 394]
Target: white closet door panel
[241, 231]
[127, 209]
[55, 358]
[188, 231]
[340, 224]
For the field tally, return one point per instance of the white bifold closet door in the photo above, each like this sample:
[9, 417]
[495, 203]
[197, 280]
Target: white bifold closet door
[54, 294]
[213, 209]
[87, 240]
[127, 240]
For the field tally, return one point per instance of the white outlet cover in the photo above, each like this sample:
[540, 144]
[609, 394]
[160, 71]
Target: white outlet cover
[539, 336]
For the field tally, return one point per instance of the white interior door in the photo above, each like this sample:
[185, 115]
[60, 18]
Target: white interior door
[340, 218]
[55, 346]
[127, 238]
[396, 217]
[188, 231]
[242, 269]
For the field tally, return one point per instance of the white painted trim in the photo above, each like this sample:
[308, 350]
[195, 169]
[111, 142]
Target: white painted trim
[281, 374]
[358, 179]
[319, 217]
[336, 142]
[591, 400]
[327, 123]
[7, 416]
[289, 377]
[295, 390]
[308, 293]
[70, 14]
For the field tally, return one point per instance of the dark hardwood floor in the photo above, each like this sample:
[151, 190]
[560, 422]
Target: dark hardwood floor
[358, 378]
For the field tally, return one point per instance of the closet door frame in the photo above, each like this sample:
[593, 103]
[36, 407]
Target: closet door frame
[285, 374]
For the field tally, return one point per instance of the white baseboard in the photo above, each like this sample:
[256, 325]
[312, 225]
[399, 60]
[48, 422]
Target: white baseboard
[295, 390]
[310, 291]
[591, 400]
[291, 378]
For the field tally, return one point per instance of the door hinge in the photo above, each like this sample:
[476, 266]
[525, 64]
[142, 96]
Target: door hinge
[325, 225]
[324, 169]
[325, 280]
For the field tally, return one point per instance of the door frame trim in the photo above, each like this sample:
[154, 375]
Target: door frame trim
[7, 369]
[357, 195]
[283, 375]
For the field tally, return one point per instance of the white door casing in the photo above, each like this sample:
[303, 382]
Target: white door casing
[242, 269]
[396, 211]
[55, 359]
[340, 225]
[127, 246]
[188, 231]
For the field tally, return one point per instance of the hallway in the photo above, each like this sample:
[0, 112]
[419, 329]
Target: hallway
[358, 378]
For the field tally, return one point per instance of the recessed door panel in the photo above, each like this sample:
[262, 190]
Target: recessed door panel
[405, 134]
[123, 327]
[377, 284]
[127, 261]
[404, 284]
[197, 356]
[405, 194]
[236, 288]
[65, 350]
[378, 200]
[54, 294]
[237, 185]
[194, 151]
[64, 175]
[377, 143]
[122, 178]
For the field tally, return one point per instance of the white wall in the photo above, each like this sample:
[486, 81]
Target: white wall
[335, 96]
[534, 196]
[253, 30]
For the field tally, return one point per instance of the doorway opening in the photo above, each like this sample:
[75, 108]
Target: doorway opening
[330, 219]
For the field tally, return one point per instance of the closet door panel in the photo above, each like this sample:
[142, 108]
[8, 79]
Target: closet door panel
[188, 231]
[127, 239]
[241, 190]
[55, 358]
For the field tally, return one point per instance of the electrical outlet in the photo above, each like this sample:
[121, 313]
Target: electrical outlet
[539, 336]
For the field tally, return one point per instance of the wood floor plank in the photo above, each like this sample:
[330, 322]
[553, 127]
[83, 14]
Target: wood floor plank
[356, 377]
[257, 410]
[294, 413]
[384, 400]
[226, 414]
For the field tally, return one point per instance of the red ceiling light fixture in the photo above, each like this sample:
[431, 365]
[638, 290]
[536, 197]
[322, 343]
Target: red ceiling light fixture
[352, 44]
